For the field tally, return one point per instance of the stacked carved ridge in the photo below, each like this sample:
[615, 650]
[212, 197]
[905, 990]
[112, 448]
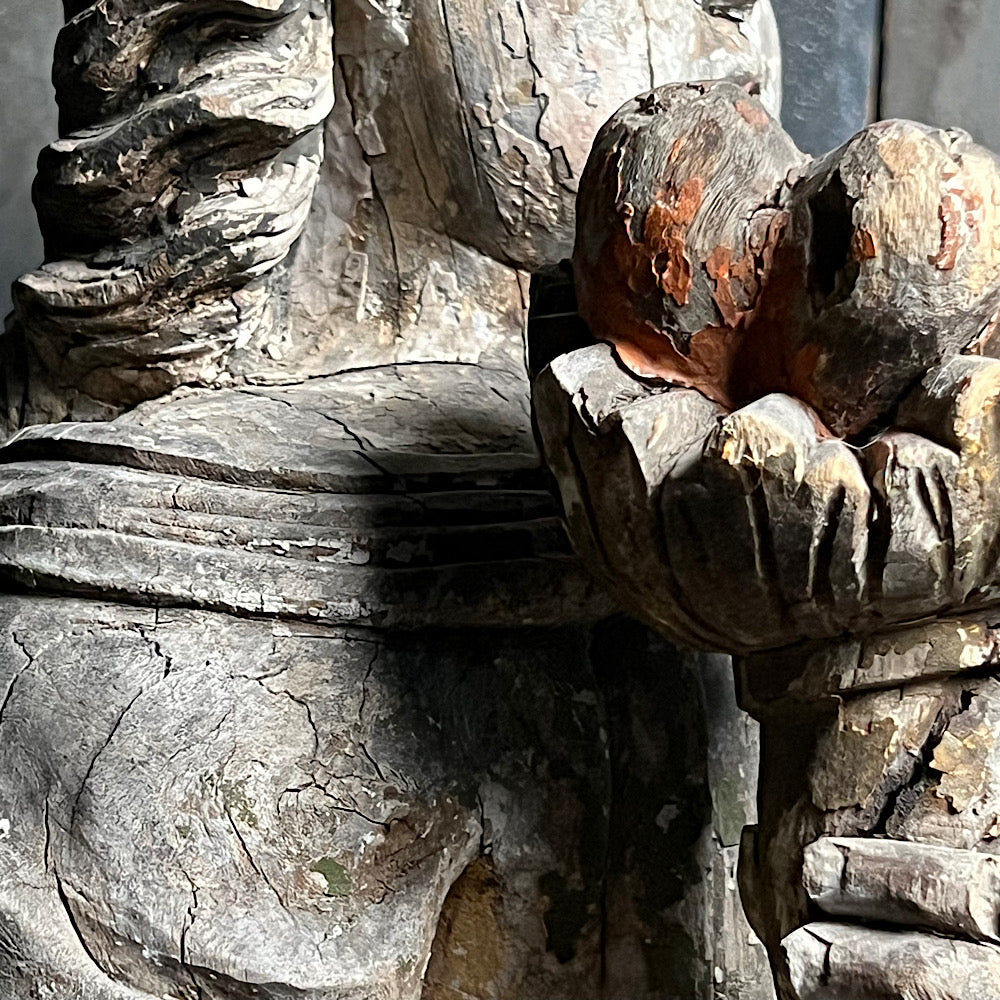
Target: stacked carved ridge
[713, 254]
[190, 146]
[344, 500]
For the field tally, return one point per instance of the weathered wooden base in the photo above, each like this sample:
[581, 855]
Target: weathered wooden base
[874, 871]
[206, 807]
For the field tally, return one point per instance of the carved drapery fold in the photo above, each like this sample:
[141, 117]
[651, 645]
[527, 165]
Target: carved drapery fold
[190, 147]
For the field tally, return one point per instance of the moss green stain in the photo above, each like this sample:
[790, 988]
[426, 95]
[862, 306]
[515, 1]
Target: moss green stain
[237, 801]
[338, 882]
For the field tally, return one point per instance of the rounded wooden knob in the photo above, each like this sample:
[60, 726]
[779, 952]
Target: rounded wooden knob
[678, 219]
[890, 263]
[712, 254]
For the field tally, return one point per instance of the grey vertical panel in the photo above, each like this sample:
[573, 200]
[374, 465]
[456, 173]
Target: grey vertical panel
[27, 122]
[830, 53]
[942, 64]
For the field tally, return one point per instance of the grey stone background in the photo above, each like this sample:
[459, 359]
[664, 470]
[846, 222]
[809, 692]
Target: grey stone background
[939, 65]
[27, 123]
[830, 59]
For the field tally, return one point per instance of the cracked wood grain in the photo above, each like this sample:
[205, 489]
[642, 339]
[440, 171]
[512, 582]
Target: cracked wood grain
[275, 428]
[189, 150]
[821, 507]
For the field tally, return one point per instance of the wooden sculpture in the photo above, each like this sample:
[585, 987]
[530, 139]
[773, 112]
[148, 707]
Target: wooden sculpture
[825, 507]
[300, 695]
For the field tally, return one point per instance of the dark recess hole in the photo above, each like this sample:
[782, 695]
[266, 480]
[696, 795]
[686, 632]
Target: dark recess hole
[732, 10]
[554, 328]
[833, 271]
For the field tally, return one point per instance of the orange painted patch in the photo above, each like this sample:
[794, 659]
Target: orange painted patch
[864, 245]
[950, 212]
[664, 237]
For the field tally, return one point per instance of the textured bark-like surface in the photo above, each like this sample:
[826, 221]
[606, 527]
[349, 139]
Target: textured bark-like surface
[269, 501]
[713, 256]
[342, 787]
[892, 263]
[189, 150]
[252, 808]
[297, 701]
[880, 801]
[457, 142]
[754, 529]
[839, 962]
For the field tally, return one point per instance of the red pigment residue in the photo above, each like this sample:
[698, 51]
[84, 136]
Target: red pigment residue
[973, 203]
[864, 245]
[738, 283]
[950, 212]
[664, 237]
[724, 272]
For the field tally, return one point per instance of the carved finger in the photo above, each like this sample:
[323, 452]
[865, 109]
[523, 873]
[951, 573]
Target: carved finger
[770, 527]
[957, 405]
[612, 442]
[829, 961]
[912, 562]
[939, 888]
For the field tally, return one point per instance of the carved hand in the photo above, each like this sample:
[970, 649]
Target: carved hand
[756, 529]
[744, 524]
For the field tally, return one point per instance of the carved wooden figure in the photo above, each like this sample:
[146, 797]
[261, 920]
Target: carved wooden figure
[299, 695]
[856, 579]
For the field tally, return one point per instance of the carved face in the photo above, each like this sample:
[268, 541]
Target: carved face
[498, 104]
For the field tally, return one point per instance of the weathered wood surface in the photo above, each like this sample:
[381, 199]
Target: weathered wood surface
[939, 888]
[297, 803]
[939, 64]
[858, 580]
[713, 256]
[929, 651]
[820, 538]
[837, 962]
[191, 150]
[398, 513]
[677, 227]
[332, 785]
[231, 772]
[893, 737]
[188, 156]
